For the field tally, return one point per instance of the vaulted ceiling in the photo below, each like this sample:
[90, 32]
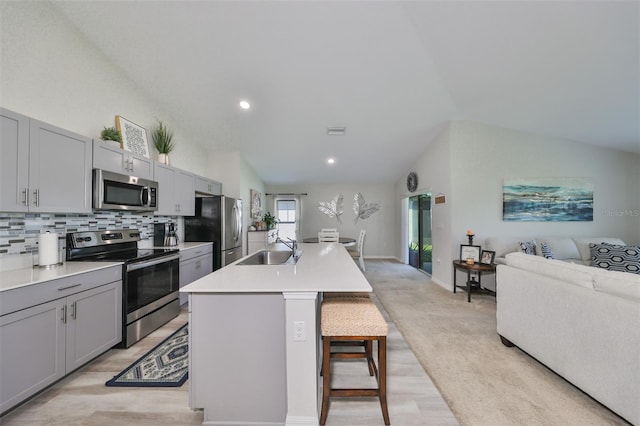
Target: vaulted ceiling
[390, 72]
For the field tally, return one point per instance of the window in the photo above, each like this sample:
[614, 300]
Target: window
[286, 215]
[286, 211]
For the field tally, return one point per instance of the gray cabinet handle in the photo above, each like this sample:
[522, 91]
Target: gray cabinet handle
[36, 196]
[64, 314]
[74, 310]
[25, 200]
[69, 286]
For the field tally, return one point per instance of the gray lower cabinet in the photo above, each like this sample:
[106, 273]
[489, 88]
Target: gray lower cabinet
[176, 191]
[44, 342]
[114, 159]
[195, 263]
[259, 240]
[43, 168]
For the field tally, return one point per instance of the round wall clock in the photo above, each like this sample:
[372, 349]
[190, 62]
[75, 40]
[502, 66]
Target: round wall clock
[412, 181]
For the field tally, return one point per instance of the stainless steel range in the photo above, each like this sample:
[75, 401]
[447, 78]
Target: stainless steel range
[150, 277]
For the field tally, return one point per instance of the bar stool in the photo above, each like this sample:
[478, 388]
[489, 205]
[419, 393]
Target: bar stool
[353, 319]
[355, 297]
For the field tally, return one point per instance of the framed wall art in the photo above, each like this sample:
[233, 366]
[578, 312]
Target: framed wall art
[548, 200]
[134, 137]
[256, 204]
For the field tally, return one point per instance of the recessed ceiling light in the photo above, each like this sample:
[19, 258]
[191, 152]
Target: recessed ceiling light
[331, 160]
[245, 105]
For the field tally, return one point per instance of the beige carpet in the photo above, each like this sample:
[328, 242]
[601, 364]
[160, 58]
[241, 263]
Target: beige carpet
[484, 382]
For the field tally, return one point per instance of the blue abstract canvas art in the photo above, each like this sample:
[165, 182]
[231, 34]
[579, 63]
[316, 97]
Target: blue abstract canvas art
[548, 200]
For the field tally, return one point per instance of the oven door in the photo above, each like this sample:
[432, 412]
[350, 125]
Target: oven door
[150, 285]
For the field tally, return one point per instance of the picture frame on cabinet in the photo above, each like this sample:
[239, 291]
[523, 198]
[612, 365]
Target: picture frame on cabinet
[487, 257]
[134, 137]
[470, 252]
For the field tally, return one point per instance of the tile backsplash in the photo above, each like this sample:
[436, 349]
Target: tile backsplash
[19, 231]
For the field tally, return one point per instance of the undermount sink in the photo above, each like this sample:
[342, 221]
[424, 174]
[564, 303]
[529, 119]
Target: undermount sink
[272, 257]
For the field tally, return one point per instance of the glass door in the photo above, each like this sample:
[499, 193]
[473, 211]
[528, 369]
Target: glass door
[420, 239]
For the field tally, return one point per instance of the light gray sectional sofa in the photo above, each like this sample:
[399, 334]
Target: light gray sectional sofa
[574, 250]
[582, 322]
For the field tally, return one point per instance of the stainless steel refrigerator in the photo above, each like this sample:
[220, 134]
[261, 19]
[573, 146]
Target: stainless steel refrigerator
[217, 219]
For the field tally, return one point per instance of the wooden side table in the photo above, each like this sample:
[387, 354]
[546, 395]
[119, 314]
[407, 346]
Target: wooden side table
[476, 267]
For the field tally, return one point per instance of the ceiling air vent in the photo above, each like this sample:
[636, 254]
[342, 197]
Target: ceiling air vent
[336, 131]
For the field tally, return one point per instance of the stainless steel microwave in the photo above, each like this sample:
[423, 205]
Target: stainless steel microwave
[115, 191]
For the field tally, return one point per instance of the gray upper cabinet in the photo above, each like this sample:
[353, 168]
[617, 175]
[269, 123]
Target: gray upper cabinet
[44, 168]
[117, 160]
[176, 192]
[14, 161]
[208, 186]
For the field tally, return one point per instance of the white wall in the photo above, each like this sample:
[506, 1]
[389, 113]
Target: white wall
[481, 156]
[49, 72]
[239, 178]
[380, 238]
[434, 171]
[486, 155]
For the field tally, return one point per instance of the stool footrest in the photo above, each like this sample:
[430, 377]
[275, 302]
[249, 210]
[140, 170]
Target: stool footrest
[355, 392]
[344, 355]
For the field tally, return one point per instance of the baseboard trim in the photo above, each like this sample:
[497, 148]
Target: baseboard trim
[301, 420]
[442, 284]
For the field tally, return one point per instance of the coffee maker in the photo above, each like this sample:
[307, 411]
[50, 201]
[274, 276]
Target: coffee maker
[165, 234]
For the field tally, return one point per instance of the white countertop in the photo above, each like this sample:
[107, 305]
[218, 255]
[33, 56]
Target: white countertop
[188, 245]
[325, 267]
[27, 276]
[193, 244]
[15, 278]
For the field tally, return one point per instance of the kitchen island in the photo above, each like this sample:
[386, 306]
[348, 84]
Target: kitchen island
[254, 337]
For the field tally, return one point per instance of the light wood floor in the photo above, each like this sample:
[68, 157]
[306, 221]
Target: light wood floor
[83, 399]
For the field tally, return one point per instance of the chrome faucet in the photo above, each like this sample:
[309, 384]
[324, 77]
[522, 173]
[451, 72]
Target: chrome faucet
[292, 244]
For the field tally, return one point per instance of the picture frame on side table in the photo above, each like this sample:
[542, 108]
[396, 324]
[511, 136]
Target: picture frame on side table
[470, 252]
[134, 137]
[487, 257]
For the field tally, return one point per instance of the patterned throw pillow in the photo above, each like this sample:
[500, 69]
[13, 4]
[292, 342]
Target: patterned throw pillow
[546, 251]
[616, 258]
[528, 247]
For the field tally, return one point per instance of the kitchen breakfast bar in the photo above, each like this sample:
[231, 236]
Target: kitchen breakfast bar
[254, 341]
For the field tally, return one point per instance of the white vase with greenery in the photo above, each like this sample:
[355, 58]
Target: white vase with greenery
[163, 141]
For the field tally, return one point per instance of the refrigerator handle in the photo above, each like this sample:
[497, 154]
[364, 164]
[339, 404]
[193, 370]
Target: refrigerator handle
[236, 222]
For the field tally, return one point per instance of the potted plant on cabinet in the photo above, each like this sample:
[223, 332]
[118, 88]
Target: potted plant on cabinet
[111, 134]
[163, 141]
[269, 220]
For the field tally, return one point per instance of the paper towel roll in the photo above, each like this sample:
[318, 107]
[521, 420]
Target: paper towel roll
[48, 249]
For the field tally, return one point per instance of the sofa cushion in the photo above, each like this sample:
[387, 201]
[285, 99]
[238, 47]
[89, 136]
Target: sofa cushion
[616, 258]
[621, 284]
[502, 246]
[528, 247]
[563, 247]
[579, 275]
[585, 249]
[546, 251]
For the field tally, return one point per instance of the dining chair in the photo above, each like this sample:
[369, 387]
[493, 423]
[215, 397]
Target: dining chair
[328, 230]
[328, 237]
[358, 252]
